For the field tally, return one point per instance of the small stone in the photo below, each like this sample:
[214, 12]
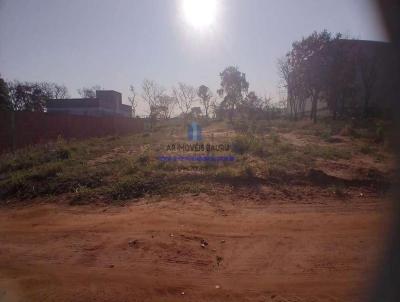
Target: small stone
[222, 241]
[171, 235]
[111, 266]
[203, 245]
[133, 242]
[182, 293]
[361, 194]
[217, 286]
[204, 242]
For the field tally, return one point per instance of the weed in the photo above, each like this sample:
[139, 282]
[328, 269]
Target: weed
[247, 144]
[325, 135]
[366, 149]
[339, 191]
[275, 138]
[134, 187]
[326, 152]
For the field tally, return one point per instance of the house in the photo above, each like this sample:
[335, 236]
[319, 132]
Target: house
[195, 112]
[106, 103]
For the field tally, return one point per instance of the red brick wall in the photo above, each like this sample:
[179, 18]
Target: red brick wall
[32, 128]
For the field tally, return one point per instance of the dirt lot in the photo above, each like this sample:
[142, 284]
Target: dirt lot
[300, 215]
[193, 248]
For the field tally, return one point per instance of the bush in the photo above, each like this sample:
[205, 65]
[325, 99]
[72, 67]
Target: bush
[45, 172]
[275, 138]
[143, 159]
[134, 187]
[31, 157]
[366, 149]
[379, 133]
[241, 126]
[247, 144]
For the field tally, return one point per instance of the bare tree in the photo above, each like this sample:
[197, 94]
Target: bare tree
[152, 93]
[166, 104]
[185, 96]
[214, 107]
[132, 100]
[292, 82]
[205, 94]
[60, 92]
[88, 92]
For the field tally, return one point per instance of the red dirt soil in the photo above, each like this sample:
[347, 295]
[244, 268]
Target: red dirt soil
[325, 250]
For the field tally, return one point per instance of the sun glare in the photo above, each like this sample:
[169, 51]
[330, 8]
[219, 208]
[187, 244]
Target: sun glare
[200, 13]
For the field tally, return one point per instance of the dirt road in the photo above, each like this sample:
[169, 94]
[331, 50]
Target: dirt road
[194, 248]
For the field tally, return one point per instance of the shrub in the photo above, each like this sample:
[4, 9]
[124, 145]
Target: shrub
[248, 172]
[31, 157]
[379, 133]
[241, 126]
[45, 172]
[366, 149]
[275, 138]
[247, 144]
[325, 135]
[326, 152]
[143, 159]
[134, 187]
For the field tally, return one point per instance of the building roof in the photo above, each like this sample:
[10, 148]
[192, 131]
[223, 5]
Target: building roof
[62, 103]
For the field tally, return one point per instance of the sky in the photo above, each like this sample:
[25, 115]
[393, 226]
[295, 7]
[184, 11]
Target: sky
[121, 42]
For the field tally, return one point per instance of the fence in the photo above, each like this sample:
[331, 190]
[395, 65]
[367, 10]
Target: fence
[20, 129]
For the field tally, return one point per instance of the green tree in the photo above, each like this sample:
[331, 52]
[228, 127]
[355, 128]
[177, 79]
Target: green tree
[233, 88]
[5, 103]
[28, 96]
[341, 77]
[307, 68]
[205, 95]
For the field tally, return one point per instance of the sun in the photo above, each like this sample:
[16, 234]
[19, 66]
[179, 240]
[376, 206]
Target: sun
[200, 13]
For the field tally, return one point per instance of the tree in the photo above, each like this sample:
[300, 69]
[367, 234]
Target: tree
[32, 96]
[88, 92]
[26, 96]
[60, 92]
[132, 100]
[166, 103]
[340, 77]
[53, 90]
[233, 86]
[185, 95]
[368, 77]
[214, 106]
[251, 106]
[152, 93]
[205, 95]
[291, 81]
[5, 103]
[306, 69]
